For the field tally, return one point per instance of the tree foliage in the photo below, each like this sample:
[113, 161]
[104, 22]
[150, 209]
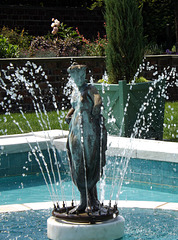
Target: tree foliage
[47, 3]
[159, 20]
[96, 3]
[124, 31]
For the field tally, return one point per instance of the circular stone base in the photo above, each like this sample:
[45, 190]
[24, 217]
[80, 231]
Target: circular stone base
[108, 230]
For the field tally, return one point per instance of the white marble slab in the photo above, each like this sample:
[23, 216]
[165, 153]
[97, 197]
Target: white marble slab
[108, 230]
[169, 206]
[52, 134]
[39, 205]
[135, 148]
[13, 208]
[24, 142]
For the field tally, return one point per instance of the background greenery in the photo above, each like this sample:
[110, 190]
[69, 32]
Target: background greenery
[8, 50]
[9, 127]
[67, 42]
[171, 121]
[159, 18]
[124, 29]
[10, 123]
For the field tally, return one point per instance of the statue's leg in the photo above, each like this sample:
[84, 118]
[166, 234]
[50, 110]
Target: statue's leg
[94, 202]
[83, 203]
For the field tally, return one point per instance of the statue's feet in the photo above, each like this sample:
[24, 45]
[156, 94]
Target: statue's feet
[95, 205]
[78, 209]
[93, 200]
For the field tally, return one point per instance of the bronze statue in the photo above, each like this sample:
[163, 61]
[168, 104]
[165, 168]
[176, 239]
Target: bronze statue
[87, 139]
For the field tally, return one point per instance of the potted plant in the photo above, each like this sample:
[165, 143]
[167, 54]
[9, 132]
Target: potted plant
[134, 109]
[129, 109]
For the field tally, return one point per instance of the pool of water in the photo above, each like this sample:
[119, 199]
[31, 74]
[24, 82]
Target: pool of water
[32, 188]
[139, 224]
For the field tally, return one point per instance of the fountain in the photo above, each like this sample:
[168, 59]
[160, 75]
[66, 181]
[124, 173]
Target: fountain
[92, 218]
[86, 146]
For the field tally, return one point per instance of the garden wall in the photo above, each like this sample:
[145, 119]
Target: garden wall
[37, 20]
[56, 70]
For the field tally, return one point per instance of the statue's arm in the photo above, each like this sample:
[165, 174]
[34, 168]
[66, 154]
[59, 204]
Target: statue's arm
[97, 101]
[69, 115]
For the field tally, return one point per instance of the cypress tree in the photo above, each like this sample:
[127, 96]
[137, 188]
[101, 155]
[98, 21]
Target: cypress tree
[124, 29]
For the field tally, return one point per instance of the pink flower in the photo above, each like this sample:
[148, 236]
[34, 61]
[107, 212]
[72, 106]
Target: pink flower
[53, 25]
[57, 23]
[55, 30]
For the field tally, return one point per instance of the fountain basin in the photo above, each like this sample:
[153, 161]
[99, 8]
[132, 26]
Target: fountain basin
[108, 230]
[20, 224]
[162, 152]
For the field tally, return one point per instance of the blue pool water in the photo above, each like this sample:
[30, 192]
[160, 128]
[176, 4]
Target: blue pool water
[32, 188]
[145, 181]
[140, 224]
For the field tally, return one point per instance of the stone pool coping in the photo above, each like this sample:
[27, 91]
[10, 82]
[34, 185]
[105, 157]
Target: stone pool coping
[21, 142]
[134, 148]
[121, 204]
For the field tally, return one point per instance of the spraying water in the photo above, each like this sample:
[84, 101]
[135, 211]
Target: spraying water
[15, 80]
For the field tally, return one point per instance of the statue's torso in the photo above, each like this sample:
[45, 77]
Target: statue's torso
[86, 126]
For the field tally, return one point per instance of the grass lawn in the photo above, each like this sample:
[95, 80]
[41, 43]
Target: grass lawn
[11, 124]
[16, 123]
[171, 121]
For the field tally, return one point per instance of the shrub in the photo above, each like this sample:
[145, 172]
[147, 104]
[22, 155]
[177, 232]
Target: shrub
[95, 48]
[39, 44]
[45, 47]
[8, 50]
[68, 47]
[66, 32]
[16, 37]
[124, 31]
[73, 42]
[140, 79]
[153, 48]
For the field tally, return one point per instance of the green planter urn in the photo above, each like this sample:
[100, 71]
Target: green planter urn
[134, 110]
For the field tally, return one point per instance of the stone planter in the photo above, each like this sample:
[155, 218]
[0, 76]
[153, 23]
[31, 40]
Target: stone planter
[134, 110]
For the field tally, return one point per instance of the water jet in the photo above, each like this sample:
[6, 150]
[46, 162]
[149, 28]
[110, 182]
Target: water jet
[138, 171]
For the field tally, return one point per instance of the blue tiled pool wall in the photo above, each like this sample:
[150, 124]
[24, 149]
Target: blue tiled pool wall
[147, 171]
[25, 163]
[138, 170]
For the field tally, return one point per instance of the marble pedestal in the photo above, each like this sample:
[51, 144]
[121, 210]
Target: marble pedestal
[108, 230]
